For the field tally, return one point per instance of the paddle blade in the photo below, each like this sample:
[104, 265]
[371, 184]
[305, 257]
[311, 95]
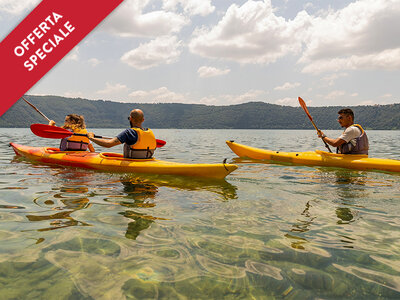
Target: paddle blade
[160, 143]
[50, 132]
[303, 105]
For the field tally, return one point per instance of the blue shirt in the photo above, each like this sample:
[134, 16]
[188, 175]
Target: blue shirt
[128, 136]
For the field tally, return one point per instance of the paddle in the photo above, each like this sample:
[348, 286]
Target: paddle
[303, 105]
[34, 107]
[54, 132]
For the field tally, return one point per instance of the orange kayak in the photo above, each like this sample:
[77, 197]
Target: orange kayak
[114, 162]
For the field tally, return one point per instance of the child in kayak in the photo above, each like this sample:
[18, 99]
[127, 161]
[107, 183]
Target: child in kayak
[75, 123]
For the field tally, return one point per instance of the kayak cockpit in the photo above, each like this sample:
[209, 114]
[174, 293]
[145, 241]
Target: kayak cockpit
[119, 156]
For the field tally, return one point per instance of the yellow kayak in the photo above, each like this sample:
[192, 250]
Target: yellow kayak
[317, 158]
[114, 162]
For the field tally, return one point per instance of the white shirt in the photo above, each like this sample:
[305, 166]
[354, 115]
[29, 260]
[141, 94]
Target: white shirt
[350, 134]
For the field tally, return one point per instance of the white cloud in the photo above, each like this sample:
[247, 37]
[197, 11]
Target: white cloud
[160, 95]
[250, 33]
[94, 62]
[359, 36]
[309, 5]
[229, 99]
[16, 7]
[73, 54]
[164, 95]
[287, 86]
[130, 20]
[289, 102]
[190, 7]
[335, 94]
[74, 95]
[387, 96]
[112, 89]
[162, 50]
[354, 95]
[387, 59]
[205, 72]
[330, 79]
[367, 102]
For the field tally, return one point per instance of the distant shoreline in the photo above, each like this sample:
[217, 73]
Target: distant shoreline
[251, 115]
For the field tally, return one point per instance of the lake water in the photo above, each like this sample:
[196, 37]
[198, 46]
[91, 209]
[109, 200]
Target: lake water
[267, 231]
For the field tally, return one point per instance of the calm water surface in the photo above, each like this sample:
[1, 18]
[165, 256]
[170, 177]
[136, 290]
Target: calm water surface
[267, 231]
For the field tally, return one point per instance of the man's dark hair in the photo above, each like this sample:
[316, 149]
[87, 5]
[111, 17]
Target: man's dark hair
[347, 112]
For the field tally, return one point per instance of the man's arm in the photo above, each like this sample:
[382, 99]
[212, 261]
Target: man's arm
[108, 143]
[333, 142]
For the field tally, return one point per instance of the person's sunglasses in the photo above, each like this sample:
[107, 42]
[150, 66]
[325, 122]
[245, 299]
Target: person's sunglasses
[129, 118]
[340, 118]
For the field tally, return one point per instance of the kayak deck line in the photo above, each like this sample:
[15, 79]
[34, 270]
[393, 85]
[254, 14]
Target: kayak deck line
[114, 162]
[317, 158]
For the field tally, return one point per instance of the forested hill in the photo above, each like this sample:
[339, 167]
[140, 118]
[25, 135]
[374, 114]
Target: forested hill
[252, 115]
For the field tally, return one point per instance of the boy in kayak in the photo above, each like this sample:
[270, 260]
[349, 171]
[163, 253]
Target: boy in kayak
[74, 123]
[138, 142]
[353, 140]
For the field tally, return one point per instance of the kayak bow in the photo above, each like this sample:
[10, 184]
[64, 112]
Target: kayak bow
[114, 162]
[317, 158]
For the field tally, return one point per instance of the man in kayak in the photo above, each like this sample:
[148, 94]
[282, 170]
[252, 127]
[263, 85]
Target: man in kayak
[138, 142]
[353, 140]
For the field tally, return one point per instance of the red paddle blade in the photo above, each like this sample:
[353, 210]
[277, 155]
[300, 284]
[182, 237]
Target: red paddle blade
[160, 143]
[303, 105]
[50, 132]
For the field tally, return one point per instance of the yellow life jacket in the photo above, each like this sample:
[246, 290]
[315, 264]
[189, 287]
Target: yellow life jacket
[75, 142]
[145, 145]
[359, 127]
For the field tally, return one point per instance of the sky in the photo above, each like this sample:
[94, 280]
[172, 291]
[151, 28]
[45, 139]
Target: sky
[220, 52]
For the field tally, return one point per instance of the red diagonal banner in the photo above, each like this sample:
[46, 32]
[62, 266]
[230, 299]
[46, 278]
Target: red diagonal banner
[42, 39]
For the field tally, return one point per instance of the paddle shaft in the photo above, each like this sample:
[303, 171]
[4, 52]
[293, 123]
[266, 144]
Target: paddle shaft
[43, 115]
[34, 107]
[96, 136]
[54, 132]
[303, 105]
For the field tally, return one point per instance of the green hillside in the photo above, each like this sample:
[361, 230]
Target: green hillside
[252, 115]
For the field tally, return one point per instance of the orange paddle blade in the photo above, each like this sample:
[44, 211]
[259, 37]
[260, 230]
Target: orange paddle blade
[303, 105]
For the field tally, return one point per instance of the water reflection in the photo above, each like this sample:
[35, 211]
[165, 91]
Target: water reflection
[300, 227]
[347, 189]
[76, 190]
[146, 185]
[67, 201]
[141, 193]
[350, 186]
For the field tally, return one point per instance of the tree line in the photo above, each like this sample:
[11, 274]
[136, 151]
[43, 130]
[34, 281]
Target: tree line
[251, 115]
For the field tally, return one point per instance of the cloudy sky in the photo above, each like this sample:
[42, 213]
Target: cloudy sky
[221, 52]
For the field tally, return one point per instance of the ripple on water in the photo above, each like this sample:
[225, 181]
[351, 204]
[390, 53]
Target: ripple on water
[263, 269]
[389, 281]
[220, 269]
